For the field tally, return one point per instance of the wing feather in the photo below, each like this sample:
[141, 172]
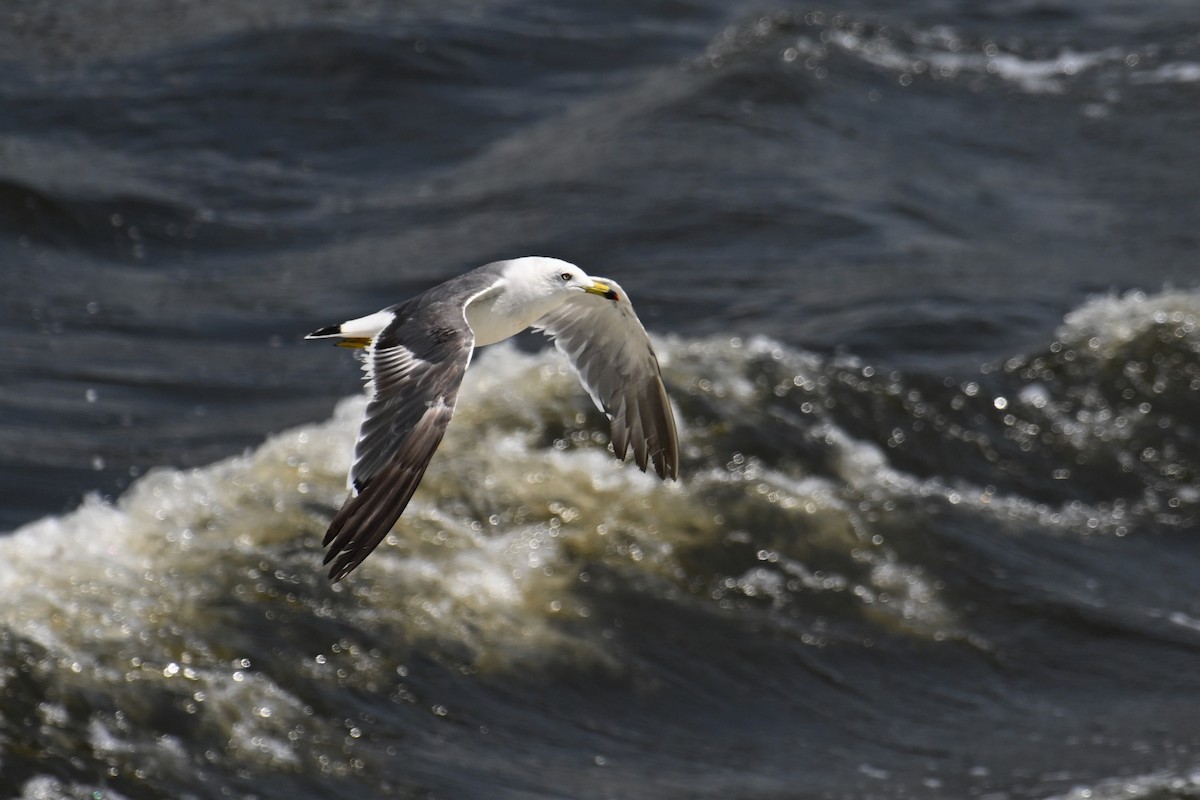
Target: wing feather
[414, 369]
[609, 348]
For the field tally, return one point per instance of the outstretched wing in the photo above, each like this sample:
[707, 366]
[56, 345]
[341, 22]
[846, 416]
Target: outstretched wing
[610, 350]
[414, 367]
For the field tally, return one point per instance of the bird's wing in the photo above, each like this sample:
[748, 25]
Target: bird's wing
[414, 368]
[609, 348]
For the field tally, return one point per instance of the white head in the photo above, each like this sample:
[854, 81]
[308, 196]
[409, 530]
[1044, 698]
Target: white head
[542, 277]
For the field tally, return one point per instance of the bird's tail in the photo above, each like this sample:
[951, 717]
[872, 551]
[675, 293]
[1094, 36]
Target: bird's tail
[356, 332]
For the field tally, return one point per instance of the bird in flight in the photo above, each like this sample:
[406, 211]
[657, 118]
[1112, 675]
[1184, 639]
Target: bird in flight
[415, 354]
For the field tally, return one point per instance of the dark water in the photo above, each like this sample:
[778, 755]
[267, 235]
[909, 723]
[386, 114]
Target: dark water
[924, 280]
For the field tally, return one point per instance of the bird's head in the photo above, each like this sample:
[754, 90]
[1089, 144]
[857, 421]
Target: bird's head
[556, 276]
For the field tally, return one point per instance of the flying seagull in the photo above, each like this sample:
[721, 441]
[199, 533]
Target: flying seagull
[416, 352]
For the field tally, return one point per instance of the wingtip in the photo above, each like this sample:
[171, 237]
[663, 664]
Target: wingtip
[665, 464]
[668, 470]
[344, 562]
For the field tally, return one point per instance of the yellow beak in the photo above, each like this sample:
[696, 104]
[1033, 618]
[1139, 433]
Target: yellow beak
[601, 289]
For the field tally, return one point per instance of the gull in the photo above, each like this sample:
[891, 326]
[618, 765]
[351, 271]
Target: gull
[415, 354]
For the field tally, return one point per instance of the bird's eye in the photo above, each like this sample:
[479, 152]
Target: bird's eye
[566, 276]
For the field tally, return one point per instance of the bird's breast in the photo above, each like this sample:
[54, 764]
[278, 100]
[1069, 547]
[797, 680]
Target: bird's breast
[493, 318]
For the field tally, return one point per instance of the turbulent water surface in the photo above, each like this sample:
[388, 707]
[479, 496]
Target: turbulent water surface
[923, 280]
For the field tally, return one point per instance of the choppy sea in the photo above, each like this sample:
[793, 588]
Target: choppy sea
[924, 280]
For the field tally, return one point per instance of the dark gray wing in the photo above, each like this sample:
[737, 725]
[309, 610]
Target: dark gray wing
[610, 350]
[414, 368]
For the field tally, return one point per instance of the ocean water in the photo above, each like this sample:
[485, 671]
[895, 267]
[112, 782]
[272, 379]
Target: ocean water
[924, 282]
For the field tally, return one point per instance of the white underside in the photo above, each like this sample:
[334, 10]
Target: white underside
[500, 313]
